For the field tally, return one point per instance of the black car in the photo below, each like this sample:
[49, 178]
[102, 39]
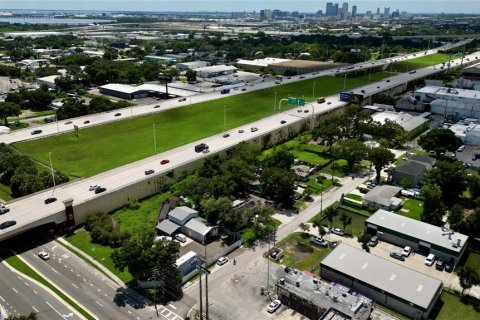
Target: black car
[36, 132]
[373, 242]
[440, 265]
[397, 256]
[449, 267]
[118, 114]
[100, 190]
[147, 172]
[283, 122]
[287, 269]
[50, 200]
[7, 224]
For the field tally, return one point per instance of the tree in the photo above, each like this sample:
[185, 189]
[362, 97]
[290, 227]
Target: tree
[9, 109]
[380, 157]
[31, 316]
[191, 75]
[432, 208]
[351, 150]
[39, 99]
[468, 277]
[450, 177]
[330, 213]
[279, 158]
[346, 220]
[305, 227]
[473, 183]
[364, 239]
[455, 217]
[318, 224]
[439, 141]
[327, 132]
[278, 185]
[215, 209]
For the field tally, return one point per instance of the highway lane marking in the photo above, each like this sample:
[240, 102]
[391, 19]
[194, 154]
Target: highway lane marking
[73, 284]
[99, 303]
[2, 299]
[27, 284]
[35, 292]
[108, 284]
[98, 290]
[130, 312]
[71, 270]
[20, 278]
[14, 290]
[54, 270]
[35, 309]
[171, 305]
[54, 309]
[78, 275]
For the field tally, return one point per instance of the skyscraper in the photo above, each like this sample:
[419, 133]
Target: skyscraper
[329, 9]
[335, 9]
[386, 12]
[354, 11]
[378, 11]
[345, 8]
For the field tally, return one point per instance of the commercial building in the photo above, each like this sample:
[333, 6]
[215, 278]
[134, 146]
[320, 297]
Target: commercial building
[258, 64]
[404, 290]
[191, 65]
[457, 102]
[410, 123]
[469, 132]
[215, 71]
[422, 237]
[383, 197]
[128, 92]
[455, 109]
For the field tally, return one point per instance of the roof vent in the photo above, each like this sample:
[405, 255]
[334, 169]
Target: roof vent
[459, 242]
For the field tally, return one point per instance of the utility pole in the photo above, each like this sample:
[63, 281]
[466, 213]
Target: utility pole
[201, 300]
[275, 103]
[154, 139]
[224, 117]
[53, 174]
[155, 279]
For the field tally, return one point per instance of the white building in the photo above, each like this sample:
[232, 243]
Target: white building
[192, 65]
[408, 122]
[259, 63]
[215, 71]
[451, 101]
[457, 109]
[468, 132]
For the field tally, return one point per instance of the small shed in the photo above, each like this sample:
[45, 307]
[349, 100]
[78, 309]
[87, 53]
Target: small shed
[200, 230]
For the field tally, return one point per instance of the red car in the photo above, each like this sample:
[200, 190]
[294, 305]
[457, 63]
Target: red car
[165, 161]
[86, 122]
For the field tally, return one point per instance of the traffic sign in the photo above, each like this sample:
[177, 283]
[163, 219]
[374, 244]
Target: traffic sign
[296, 101]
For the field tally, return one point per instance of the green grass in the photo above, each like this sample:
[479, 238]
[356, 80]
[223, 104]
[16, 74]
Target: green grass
[309, 157]
[414, 207]
[353, 196]
[19, 265]
[454, 308]
[122, 142]
[421, 62]
[473, 260]
[339, 169]
[299, 253]
[316, 187]
[5, 192]
[81, 240]
[355, 228]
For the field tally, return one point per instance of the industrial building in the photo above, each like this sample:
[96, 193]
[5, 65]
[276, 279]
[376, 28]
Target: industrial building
[215, 71]
[455, 109]
[183, 66]
[422, 237]
[468, 131]
[404, 290]
[258, 64]
[411, 124]
[128, 92]
[457, 102]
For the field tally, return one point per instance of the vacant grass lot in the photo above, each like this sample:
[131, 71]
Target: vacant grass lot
[355, 228]
[122, 142]
[454, 308]
[473, 260]
[412, 208]
[421, 62]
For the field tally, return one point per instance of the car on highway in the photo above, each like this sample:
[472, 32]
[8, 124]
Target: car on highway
[118, 114]
[430, 259]
[373, 241]
[274, 305]
[225, 91]
[44, 255]
[4, 208]
[244, 89]
[164, 161]
[7, 224]
[147, 172]
[241, 131]
[406, 251]
[156, 106]
[182, 99]
[86, 122]
[299, 110]
[283, 122]
[100, 190]
[222, 260]
[306, 111]
[302, 77]
[181, 237]
[440, 265]
[226, 135]
[93, 187]
[206, 151]
[413, 71]
[337, 231]
[253, 129]
[36, 132]
[319, 241]
[50, 200]
[397, 256]
[68, 122]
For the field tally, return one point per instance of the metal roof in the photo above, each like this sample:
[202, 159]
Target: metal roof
[128, 89]
[384, 195]
[180, 213]
[420, 230]
[402, 282]
[199, 225]
[167, 227]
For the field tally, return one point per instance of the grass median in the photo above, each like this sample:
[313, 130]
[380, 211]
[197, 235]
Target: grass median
[422, 62]
[118, 143]
[22, 267]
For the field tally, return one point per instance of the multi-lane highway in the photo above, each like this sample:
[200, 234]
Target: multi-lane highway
[20, 296]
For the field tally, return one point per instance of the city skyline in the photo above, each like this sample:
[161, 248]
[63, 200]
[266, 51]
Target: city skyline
[432, 6]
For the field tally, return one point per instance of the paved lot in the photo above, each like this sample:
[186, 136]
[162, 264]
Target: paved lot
[467, 155]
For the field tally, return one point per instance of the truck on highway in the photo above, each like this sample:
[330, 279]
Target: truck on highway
[225, 91]
[320, 99]
[200, 147]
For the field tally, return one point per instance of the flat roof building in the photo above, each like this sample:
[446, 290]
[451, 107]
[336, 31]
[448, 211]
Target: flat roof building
[192, 65]
[407, 121]
[259, 63]
[129, 92]
[404, 290]
[215, 71]
[422, 237]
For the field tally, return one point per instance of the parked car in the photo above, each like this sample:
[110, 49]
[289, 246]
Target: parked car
[50, 200]
[118, 114]
[397, 256]
[93, 187]
[182, 99]
[373, 242]
[253, 129]
[181, 237]
[44, 255]
[100, 190]
[7, 224]
[461, 148]
[164, 161]
[147, 172]
[274, 305]
[337, 231]
[283, 122]
[226, 135]
[406, 251]
[86, 122]
[34, 132]
[440, 265]
[319, 241]
[430, 259]
[222, 260]
[449, 267]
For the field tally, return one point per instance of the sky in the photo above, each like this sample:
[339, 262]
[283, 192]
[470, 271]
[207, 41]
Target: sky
[415, 6]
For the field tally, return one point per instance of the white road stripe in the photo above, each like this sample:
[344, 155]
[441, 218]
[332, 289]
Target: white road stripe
[35, 309]
[14, 290]
[27, 284]
[74, 285]
[108, 284]
[54, 270]
[55, 310]
[173, 307]
[35, 292]
[19, 277]
[99, 303]
[2, 298]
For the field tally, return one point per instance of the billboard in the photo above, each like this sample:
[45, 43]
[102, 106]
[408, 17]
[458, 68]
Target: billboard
[351, 97]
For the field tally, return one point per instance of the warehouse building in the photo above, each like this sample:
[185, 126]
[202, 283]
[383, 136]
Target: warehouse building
[259, 64]
[455, 109]
[404, 290]
[411, 124]
[128, 92]
[467, 131]
[183, 66]
[215, 71]
[422, 237]
[451, 101]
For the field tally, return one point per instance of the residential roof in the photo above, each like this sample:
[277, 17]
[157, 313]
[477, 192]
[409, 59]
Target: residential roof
[384, 195]
[181, 213]
[422, 158]
[199, 225]
[411, 167]
[402, 282]
[167, 227]
[405, 120]
[422, 231]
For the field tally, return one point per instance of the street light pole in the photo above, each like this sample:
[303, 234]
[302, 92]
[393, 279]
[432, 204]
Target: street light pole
[56, 120]
[275, 103]
[53, 175]
[345, 82]
[313, 95]
[201, 301]
[224, 117]
[154, 139]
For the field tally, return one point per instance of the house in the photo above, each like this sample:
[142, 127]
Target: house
[383, 197]
[181, 215]
[420, 158]
[167, 228]
[200, 230]
[302, 172]
[412, 169]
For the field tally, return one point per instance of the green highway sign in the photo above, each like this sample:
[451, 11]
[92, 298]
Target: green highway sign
[296, 101]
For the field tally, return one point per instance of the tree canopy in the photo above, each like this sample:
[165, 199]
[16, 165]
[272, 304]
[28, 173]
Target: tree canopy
[439, 141]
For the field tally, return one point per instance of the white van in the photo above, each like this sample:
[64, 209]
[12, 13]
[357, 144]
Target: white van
[181, 237]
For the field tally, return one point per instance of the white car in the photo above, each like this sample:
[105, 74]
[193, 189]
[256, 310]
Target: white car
[181, 237]
[44, 255]
[406, 251]
[222, 260]
[430, 259]
[274, 305]
[4, 208]
[93, 187]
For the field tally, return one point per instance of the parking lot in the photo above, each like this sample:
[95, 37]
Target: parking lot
[467, 155]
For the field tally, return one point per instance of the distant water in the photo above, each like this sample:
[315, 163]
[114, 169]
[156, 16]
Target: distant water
[45, 20]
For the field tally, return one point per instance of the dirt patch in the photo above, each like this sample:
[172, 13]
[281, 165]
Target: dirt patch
[298, 250]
